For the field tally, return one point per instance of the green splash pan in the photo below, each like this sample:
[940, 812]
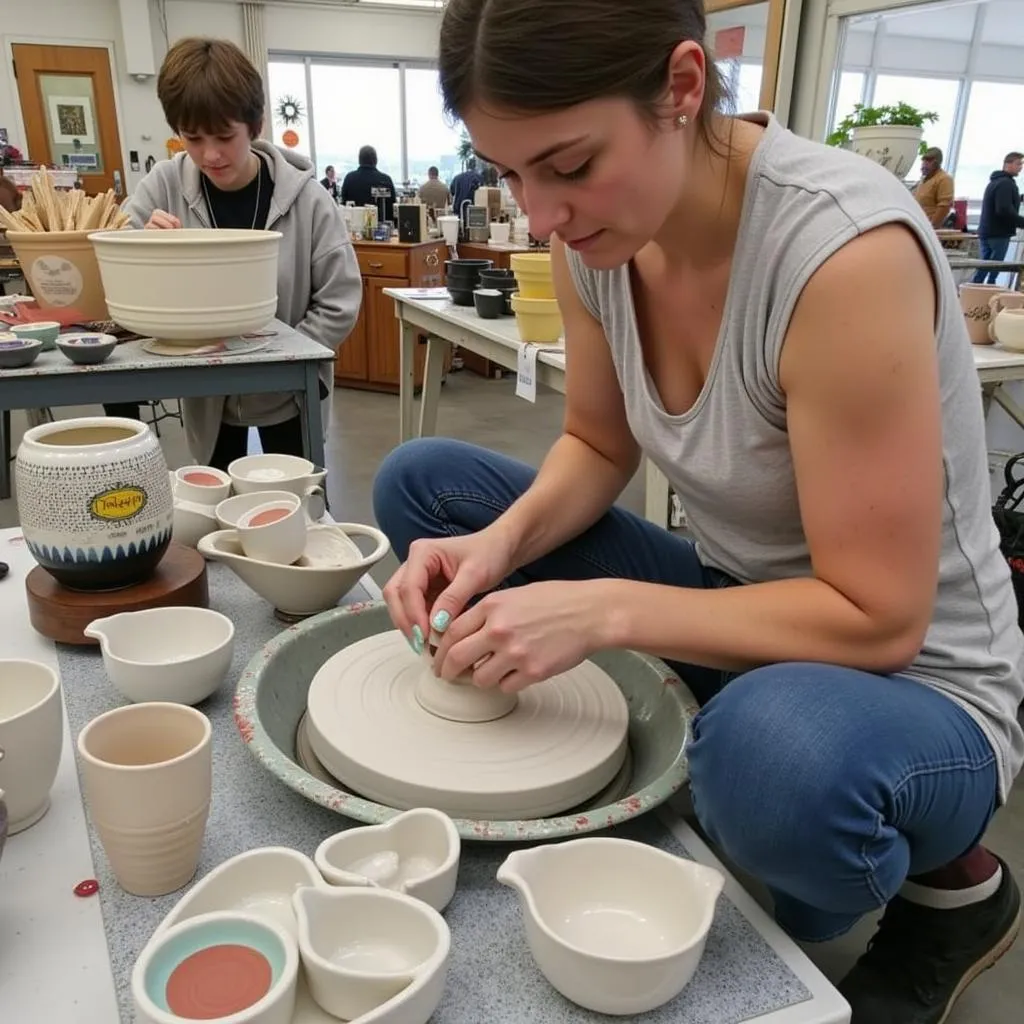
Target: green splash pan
[270, 701]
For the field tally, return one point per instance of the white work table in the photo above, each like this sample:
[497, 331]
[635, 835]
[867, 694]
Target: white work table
[446, 325]
[55, 964]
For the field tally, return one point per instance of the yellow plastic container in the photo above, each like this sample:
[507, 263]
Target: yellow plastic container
[533, 275]
[61, 271]
[539, 320]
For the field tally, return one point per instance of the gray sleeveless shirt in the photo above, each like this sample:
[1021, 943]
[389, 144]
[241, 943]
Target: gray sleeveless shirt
[728, 456]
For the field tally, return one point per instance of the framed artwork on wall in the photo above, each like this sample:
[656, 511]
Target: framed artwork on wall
[71, 119]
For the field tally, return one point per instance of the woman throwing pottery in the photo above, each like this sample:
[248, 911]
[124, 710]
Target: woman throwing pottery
[773, 323]
[227, 177]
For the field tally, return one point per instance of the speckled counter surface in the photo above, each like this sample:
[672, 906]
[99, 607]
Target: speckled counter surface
[492, 976]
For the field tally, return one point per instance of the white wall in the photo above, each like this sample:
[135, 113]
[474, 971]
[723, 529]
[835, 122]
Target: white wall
[289, 26]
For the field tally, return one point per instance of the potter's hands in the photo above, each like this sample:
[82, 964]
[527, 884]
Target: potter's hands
[162, 220]
[524, 635]
[440, 577]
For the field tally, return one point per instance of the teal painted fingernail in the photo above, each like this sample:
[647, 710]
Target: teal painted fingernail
[440, 621]
[417, 639]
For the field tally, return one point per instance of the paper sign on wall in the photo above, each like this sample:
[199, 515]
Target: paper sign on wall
[729, 42]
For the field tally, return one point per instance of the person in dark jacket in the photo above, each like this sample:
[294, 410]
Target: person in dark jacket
[464, 186]
[330, 182]
[366, 186]
[1000, 215]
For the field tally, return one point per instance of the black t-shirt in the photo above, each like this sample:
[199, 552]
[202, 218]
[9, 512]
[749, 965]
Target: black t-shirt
[366, 186]
[246, 207]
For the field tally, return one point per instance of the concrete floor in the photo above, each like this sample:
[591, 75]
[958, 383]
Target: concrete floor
[364, 430]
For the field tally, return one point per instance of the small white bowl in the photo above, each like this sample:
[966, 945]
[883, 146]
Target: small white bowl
[167, 950]
[180, 655]
[258, 882]
[617, 927]
[274, 531]
[203, 485]
[192, 522]
[416, 853]
[274, 472]
[330, 567]
[372, 949]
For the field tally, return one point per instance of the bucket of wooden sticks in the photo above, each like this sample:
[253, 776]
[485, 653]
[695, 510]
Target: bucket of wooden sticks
[50, 239]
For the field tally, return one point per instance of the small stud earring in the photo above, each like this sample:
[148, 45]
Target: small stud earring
[682, 120]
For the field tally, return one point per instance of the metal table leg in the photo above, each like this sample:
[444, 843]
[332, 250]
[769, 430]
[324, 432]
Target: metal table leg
[312, 420]
[437, 350]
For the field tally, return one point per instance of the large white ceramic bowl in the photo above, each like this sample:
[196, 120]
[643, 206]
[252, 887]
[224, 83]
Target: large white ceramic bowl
[180, 655]
[616, 926]
[189, 285]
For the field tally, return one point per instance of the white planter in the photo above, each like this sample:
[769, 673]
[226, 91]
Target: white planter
[94, 501]
[894, 146]
[190, 284]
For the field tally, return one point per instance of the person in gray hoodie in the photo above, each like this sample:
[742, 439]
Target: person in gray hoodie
[227, 177]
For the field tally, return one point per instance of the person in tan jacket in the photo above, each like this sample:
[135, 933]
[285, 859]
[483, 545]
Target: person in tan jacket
[935, 189]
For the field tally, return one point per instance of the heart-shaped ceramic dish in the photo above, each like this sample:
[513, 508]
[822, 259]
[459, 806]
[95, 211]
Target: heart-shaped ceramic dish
[416, 853]
[271, 697]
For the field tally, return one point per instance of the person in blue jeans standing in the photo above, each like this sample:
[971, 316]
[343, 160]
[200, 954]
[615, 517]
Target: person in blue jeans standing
[1000, 215]
[844, 615]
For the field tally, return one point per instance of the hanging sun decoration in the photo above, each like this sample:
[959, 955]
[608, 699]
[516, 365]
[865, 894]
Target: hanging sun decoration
[289, 110]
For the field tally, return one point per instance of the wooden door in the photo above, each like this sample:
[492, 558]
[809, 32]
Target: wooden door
[67, 105]
[351, 362]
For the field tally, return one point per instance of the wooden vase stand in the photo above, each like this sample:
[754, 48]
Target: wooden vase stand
[62, 614]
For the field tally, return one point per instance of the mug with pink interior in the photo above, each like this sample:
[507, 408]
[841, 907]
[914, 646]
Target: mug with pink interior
[274, 531]
[203, 485]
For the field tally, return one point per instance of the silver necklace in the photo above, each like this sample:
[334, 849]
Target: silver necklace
[255, 212]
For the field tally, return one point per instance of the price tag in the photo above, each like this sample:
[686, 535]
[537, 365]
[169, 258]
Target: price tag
[526, 378]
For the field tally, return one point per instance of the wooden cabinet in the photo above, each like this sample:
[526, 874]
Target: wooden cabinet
[369, 357]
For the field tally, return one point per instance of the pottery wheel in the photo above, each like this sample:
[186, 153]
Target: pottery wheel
[564, 741]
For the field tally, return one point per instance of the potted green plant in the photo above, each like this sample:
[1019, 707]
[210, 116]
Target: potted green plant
[890, 135]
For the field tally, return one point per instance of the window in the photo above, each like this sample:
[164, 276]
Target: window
[934, 94]
[848, 95]
[288, 80]
[356, 105]
[991, 130]
[742, 82]
[430, 140]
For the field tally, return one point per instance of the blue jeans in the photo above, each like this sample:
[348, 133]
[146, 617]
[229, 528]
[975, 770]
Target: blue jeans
[991, 249]
[828, 784]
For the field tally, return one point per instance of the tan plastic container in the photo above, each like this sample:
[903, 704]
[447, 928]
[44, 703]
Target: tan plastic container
[62, 273]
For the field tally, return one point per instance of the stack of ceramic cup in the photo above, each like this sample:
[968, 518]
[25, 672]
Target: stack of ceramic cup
[536, 309]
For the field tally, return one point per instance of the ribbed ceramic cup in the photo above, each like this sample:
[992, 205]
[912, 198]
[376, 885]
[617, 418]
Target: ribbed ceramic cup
[147, 775]
[31, 738]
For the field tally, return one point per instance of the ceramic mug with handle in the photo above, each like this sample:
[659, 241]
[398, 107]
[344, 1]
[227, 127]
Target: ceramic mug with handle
[1004, 300]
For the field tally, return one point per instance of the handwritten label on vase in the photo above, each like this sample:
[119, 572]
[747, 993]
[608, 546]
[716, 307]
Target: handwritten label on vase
[119, 504]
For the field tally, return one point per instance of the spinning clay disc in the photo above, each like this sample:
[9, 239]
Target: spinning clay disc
[563, 742]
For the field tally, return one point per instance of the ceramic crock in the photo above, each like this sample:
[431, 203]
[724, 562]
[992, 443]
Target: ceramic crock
[94, 501]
